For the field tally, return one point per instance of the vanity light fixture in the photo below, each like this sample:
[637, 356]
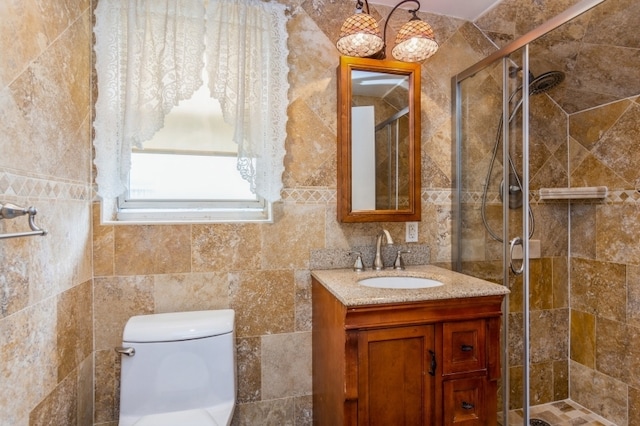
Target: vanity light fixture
[360, 36]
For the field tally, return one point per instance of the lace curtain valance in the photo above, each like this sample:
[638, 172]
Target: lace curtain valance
[149, 56]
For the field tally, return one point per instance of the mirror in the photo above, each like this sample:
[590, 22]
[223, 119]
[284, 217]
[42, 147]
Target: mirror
[378, 140]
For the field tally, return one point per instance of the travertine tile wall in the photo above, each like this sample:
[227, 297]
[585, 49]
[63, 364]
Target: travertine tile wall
[585, 135]
[605, 259]
[46, 328]
[262, 270]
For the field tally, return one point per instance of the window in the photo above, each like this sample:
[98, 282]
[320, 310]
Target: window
[188, 169]
[163, 153]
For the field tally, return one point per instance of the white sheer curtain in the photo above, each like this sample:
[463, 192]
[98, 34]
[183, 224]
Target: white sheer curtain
[149, 56]
[247, 66]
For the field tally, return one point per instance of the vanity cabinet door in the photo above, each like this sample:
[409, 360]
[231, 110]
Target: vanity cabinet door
[395, 384]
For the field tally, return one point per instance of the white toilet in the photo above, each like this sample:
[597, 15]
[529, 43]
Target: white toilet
[178, 369]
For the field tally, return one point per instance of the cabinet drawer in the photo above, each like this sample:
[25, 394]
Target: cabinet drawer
[464, 347]
[464, 402]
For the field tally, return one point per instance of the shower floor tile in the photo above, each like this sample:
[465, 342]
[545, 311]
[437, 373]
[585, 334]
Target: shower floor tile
[559, 413]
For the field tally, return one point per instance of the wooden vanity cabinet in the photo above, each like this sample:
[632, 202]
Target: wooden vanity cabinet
[432, 362]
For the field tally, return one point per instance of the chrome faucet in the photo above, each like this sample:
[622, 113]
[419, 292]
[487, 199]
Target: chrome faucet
[377, 263]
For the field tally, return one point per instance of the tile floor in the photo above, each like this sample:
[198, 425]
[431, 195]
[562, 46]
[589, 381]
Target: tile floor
[559, 413]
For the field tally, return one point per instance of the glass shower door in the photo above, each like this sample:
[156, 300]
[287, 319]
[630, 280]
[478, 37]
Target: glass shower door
[494, 220]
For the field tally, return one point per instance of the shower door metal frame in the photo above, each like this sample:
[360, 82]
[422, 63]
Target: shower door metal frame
[456, 89]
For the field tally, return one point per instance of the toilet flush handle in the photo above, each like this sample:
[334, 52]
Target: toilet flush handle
[125, 351]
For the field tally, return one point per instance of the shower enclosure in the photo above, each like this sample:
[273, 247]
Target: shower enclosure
[391, 159]
[511, 140]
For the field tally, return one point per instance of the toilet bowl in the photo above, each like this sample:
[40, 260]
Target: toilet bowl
[178, 369]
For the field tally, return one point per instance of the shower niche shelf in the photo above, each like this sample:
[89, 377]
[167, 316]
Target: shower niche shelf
[578, 193]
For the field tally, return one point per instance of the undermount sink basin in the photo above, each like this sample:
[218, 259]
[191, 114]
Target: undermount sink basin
[399, 282]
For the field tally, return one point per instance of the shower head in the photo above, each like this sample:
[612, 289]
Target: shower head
[545, 82]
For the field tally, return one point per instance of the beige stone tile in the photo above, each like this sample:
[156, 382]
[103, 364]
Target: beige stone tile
[303, 410]
[634, 406]
[560, 380]
[592, 172]
[310, 77]
[501, 19]
[613, 149]
[633, 295]
[474, 234]
[515, 387]
[549, 336]
[560, 282]
[276, 412]
[347, 235]
[551, 229]
[617, 231]
[577, 154]
[27, 339]
[116, 299]
[587, 127]
[14, 277]
[583, 231]
[489, 271]
[226, 247]
[616, 353]
[74, 328]
[301, 227]
[303, 300]
[152, 249]
[435, 230]
[605, 395]
[286, 365]
[191, 292]
[541, 383]
[583, 338]
[310, 146]
[516, 297]
[21, 38]
[62, 258]
[264, 302]
[598, 288]
[85, 391]
[515, 339]
[249, 359]
[436, 159]
[541, 283]
[59, 407]
[52, 94]
[103, 245]
[107, 386]
[329, 16]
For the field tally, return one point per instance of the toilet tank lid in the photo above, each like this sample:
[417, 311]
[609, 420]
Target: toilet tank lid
[175, 326]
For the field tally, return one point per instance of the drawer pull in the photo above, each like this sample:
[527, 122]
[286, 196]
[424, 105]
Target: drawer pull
[467, 406]
[466, 348]
[434, 364]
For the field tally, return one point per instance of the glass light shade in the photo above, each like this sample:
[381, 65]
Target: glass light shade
[415, 42]
[360, 36]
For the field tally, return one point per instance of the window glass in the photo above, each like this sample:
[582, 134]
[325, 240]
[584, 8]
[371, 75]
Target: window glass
[189, 164]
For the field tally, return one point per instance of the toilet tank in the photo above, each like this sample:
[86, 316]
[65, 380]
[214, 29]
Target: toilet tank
[182, 361]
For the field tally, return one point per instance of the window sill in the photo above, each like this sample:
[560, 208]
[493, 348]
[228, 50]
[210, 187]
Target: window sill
[160, 216]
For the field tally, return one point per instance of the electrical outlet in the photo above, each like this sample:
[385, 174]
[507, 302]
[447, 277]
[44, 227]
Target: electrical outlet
[412, 232]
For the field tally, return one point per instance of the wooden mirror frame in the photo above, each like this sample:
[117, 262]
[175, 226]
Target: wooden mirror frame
[344, 160]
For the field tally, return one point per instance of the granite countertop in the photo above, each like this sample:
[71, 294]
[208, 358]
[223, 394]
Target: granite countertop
[343, 284]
